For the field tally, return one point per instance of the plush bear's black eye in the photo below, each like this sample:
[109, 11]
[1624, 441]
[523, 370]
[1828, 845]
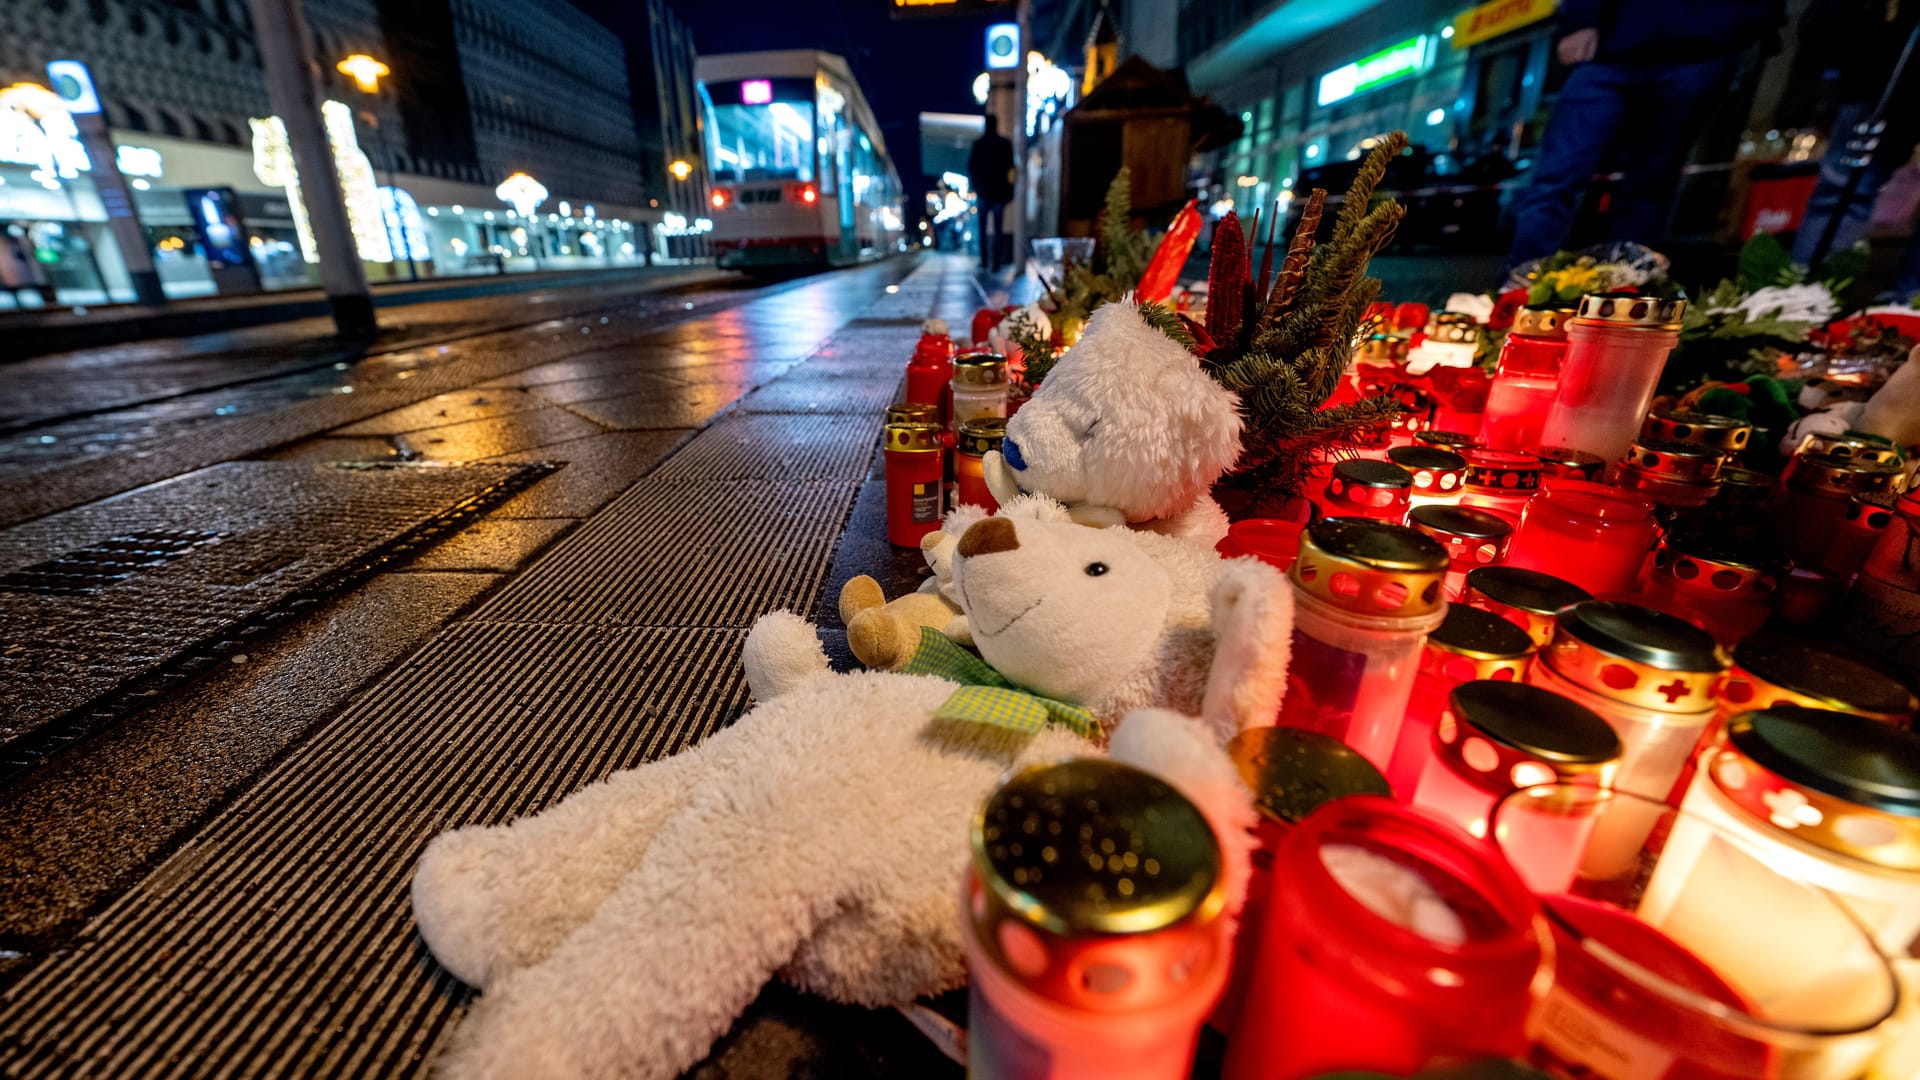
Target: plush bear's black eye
[1095, 569]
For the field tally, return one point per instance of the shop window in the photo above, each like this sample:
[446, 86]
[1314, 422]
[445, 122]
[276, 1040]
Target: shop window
[1266, 117]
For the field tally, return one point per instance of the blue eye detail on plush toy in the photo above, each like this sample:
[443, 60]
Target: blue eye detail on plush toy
[1095, 569]
[1011, 451]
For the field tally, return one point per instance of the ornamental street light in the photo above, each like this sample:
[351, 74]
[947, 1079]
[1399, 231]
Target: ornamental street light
[524, 194]
[365, 72]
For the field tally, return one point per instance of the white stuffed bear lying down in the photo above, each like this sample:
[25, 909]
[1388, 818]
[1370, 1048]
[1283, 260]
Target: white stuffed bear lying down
[822, 837]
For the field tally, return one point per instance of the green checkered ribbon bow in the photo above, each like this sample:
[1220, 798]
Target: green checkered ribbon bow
[986, 696]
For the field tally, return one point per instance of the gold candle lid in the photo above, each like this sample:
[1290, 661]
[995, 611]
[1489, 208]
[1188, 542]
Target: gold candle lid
[1502, 736]
[984, 369]
[1452, 327]
[1476, 644]
[1528, 599]
[1747, 487]
[1566, 461]
[1382, 349]
[1448, 440]
[1434, 468]
[1471, 536]
[1828, 473]
[1502, 470]
[1370, 567]
[1772, 669]
[1630, 309]
[1722, 433]
[1850, 446]
[912, 412]
[1362, 484]
[982, 434]
[1637, 656]
[1292, 772]
[1690, 463]
[1089, 846]
[1841, 782]
[1717, 565]
[1542, 322]
[914, 437]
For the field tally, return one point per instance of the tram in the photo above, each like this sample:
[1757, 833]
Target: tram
[799, 173]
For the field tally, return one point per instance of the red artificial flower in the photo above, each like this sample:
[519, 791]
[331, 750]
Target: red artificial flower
[1410, 316]
[1505, 308]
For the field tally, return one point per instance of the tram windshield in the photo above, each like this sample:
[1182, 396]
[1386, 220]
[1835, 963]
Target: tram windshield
[768, 141]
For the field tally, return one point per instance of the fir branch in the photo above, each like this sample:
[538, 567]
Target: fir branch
[1164, 319]
[1360, 192]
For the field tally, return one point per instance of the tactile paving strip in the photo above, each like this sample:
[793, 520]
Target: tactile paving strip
[280, 941]
[284, 529]
[793, 393]
[745, 446]
[667, 553]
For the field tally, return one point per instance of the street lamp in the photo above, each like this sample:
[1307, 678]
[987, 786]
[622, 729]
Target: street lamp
[680, 169]
[524, 194]
[366, 73]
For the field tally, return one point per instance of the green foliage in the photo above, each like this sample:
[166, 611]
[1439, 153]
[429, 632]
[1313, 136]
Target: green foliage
[1120, 255]
[1304, 337]
[1765, 261]
[1165, 320]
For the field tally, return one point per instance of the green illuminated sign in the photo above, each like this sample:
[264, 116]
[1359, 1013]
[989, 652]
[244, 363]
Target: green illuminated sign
[1389, 65]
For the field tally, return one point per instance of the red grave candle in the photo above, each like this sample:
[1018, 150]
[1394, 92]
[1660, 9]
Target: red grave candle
[1496, 737]
[914, 463]
[930, 371]
[1528, 599]
[1525, 378]
[1500, 480]
[1439, 474]
[1473, 538]
[1592, 535]
[1390, 939]
[1470, 644]
[1360, 487]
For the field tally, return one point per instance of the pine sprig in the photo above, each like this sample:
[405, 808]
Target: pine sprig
[1165, 320]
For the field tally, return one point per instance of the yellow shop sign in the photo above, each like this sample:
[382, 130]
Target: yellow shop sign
[1490, 20]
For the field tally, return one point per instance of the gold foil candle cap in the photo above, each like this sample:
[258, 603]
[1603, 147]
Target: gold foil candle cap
[1502, 736]
[1472, 537]
[1435, 470]
[1502, 470]
[1745, 487]
[1528, 599]
[1292, 772]
[1827, 473]
[1773, 669]
[1362, 485]
[1637, 656]
[1850, 446]
[914, 437]
[1565, 461]
[1452, 327]
[980, 369]
[1382, 349]
[1703, 563]
[1371, 568]
[912, 412]
[1722, 433]
[1630, 309]
[1476, 644]
[1446, 440]
[982, 434]
[1090, 846]
[1542, 322]
[1690, 463]
[1841, 782]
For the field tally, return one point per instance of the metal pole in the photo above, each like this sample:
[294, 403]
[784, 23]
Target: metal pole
[280, 30]
[1024, 16]
[1864, 144]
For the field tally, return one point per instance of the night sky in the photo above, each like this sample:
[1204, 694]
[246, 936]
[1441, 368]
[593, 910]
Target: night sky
[906, 66]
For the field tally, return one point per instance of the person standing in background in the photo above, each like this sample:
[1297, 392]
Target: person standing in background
[1856, 45]
[990, 173]
[1644, 75]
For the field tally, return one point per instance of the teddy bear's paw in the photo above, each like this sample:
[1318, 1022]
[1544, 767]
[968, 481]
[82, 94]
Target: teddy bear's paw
[860, 593]
[511, 1035]
[877, 639]
[455, 901]
[782, 652]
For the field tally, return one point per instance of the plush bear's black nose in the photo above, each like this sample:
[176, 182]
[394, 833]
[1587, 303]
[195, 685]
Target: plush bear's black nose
[987, 536]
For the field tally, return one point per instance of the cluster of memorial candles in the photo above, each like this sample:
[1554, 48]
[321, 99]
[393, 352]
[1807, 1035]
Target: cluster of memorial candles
[1568, 770]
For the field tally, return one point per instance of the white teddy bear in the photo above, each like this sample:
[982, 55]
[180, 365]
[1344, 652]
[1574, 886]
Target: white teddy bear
[822, 837]
[1126, 429]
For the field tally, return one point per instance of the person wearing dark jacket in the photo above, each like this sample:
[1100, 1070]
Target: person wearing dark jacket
[990, 172]
[1645, 74]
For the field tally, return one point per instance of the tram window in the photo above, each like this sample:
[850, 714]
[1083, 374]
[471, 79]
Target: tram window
[773, 141]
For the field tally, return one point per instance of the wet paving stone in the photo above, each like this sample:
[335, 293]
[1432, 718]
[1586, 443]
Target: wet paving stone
[492, 546]
[601, 387]
[446, 409]
[794, 393]
[675, 407]
[592, 471]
